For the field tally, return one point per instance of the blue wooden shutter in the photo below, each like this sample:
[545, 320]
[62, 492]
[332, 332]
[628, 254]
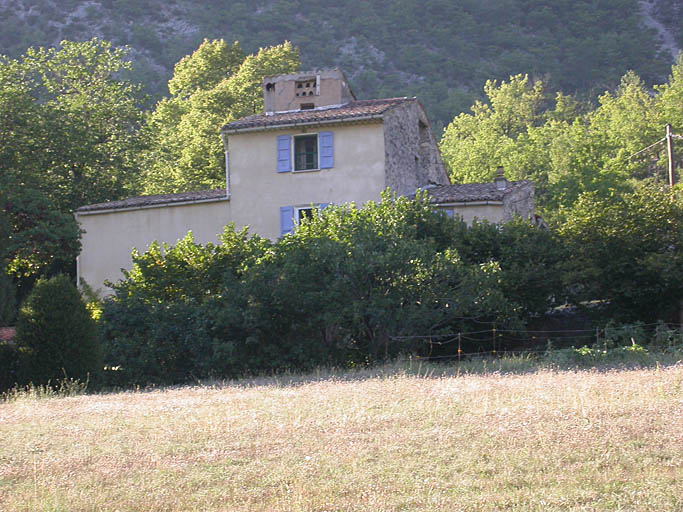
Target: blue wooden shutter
[326, 140]
[284, 161]
[286, 220]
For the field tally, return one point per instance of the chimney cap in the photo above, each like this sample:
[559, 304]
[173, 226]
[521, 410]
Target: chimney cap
[500, 181]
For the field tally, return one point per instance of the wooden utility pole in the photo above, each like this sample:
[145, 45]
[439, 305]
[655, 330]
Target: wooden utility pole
[670, 154]
[669, 139]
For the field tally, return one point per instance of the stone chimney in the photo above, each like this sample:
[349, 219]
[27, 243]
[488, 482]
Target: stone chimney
[500, 181]
[306, 90]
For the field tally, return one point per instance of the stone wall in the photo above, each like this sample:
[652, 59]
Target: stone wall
[411, 155]
[519, 201]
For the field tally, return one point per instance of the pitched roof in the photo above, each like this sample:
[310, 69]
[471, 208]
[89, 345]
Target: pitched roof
[354, 110]
[157, 200]
[469, 192]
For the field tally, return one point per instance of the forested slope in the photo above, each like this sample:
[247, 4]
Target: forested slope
[440, 50]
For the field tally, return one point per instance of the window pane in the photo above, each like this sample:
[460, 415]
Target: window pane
[306, 152]
[305, 213]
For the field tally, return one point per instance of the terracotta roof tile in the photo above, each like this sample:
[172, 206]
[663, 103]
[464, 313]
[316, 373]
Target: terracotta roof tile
[156, 200]
[353, 110]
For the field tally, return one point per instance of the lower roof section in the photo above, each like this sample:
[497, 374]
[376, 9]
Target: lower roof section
[158, 200]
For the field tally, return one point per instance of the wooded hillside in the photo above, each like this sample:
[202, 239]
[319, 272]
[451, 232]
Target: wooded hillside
[441, 50]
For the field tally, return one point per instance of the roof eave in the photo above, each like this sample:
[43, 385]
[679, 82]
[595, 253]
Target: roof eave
[474, 202]
[148, 206]
[289, 124]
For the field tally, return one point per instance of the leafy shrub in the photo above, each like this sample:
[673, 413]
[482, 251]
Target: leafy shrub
[666, 337]
[56, 336]
[348, 287]
[8, 303]
[9, 366]
[154, 343]
[529, 260]
[626, 253]
[159, 326]
[625, 335]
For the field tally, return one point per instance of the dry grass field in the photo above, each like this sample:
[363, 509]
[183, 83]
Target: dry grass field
[380, 440]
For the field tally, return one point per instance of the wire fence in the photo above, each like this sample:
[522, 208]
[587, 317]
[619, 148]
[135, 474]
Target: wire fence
[496, 342]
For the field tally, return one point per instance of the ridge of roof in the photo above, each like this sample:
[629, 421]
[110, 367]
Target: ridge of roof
[356, 109]
[156, 200]
[468, 192]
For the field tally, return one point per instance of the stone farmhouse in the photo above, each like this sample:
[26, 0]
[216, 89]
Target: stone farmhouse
[314, 145]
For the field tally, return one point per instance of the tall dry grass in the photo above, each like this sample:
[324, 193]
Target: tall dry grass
[388, 440]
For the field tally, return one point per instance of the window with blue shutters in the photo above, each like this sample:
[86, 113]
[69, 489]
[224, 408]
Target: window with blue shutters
[290, 216]
[286, 220]
[284, 161]
[326, 140]
[308, 152]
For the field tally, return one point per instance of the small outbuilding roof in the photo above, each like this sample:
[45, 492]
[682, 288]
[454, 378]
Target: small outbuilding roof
[471, 192]
[354, 110]
[156, 200]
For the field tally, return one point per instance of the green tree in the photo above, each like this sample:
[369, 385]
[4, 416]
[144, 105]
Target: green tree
[669, 101]
[566, 149]
[161, 324]
[473, 145]
[529, 259]
[350, 286]
[209, 65]
[213, 86]
[8, 300]
[39, 239]
[627, 252]
[68, 137]
[56, 335]
[366, 283]
[68, 123]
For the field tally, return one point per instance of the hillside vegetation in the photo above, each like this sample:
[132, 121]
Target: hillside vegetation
[440, 50]
[381, 440]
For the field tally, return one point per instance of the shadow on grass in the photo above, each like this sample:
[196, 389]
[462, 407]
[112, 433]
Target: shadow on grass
[582, 359]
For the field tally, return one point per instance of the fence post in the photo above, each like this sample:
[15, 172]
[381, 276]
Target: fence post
[459, 349]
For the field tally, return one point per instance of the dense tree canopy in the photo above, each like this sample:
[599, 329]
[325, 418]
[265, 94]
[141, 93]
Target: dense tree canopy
[565, 147]
[68, 123]
[627, 253]
[350, 286]
[214, 85]
[68, 137]
[441, 50]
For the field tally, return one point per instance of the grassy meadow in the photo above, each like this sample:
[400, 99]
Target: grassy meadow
[406, 437]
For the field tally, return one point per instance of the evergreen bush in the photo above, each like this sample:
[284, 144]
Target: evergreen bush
[56, 335]
[8, 304]
[9, 366]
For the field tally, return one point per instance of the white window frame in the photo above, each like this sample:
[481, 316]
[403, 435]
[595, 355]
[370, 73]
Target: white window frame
[311, 207]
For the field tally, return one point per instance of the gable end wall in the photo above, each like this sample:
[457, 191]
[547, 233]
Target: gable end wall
[519, 203]
[411, 154]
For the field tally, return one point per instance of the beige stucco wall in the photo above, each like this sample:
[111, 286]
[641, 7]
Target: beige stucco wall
[257, 190]
[109, 237]
[492, 212]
